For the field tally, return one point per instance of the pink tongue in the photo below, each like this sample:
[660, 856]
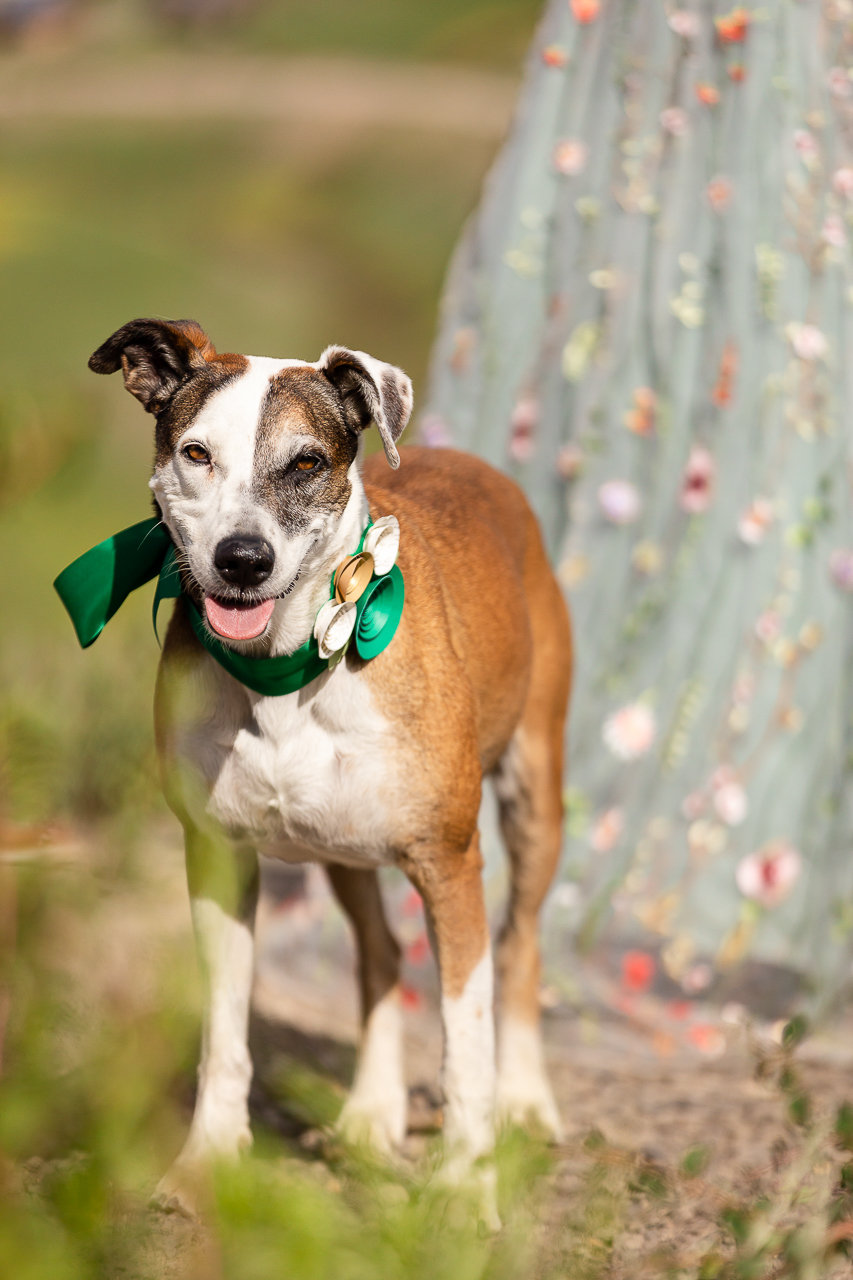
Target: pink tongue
[238, 621]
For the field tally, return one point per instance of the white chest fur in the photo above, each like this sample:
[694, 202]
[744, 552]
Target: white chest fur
[306, 776]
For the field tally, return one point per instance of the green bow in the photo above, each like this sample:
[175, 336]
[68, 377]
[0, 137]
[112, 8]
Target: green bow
[96, 585]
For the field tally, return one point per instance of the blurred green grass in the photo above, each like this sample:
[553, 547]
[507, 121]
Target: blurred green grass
[278, 245]
[481, 33]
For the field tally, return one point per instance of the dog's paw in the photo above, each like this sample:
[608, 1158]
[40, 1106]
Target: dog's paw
[529, 1105]
[379, 1123]
[181, 1190]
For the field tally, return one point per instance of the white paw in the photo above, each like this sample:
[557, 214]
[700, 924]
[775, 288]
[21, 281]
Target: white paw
[181, 1189]
[530, 1105]
[377, 1122]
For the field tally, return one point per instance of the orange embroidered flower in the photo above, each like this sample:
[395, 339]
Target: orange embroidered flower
[723, 392]
[638, 970]
[585, 10]
[554, 56]
[737, 72]
[732, 27]
[708, 94]
[641, 419]
[719, 194]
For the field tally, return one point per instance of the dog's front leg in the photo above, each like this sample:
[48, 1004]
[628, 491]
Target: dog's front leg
[452, 889]
[223, 884]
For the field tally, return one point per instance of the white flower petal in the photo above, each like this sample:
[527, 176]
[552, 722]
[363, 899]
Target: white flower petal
[334, 626]
[383, 543]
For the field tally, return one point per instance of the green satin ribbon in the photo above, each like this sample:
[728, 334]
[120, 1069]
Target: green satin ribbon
[95, 586]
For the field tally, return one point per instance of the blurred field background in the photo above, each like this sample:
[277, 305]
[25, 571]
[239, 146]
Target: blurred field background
[289, 174]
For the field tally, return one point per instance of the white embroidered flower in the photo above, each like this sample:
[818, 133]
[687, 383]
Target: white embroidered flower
[383, 543]
[755, 521]
[630, 731]
[684, 23]
[807, 340]
[768, 875]
[607, 829]
[620, 501]
[334, 625]
[731, 803]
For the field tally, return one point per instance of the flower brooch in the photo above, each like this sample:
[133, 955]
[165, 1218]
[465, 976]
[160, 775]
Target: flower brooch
[367, 597]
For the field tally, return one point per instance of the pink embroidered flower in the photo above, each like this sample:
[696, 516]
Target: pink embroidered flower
[553, 55]
[694, 805]
[743, 690]
[569, 461]
[719, 193]
[697, 979]
[630, 731]
[807, 340]
[708, 94]
[620, 501]
[731, 803]
[525, 417]
[769, 875]
[638, 971]
[434, 431]
[833, 231]
[842, 181]
[607, 830]
[674, 120]
[755, 521]
[768, 626]
[697, 484]
[841, 568]
[585, 10]
[839, 82]
[570, 156]
[806, 147]
[684, 23]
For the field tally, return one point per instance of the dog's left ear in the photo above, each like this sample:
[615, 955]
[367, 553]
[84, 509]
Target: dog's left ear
[370, 390]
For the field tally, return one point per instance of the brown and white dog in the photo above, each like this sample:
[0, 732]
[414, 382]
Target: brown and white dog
[257, 478]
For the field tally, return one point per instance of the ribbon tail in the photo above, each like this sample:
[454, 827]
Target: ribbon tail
[94, 587]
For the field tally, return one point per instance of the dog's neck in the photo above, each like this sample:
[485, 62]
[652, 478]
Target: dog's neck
[292, 622]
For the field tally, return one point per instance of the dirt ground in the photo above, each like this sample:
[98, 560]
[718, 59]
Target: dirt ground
[613, 1076]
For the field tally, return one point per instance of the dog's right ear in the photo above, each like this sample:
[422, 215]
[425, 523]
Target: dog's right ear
[156, 356]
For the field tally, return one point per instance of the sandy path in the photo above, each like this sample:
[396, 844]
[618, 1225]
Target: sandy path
[300, 90]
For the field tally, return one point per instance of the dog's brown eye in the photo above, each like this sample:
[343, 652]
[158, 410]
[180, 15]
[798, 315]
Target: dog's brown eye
[306, 464]
[196, 453]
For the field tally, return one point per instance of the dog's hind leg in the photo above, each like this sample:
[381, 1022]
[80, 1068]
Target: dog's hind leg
[528, 784]
[223, 884]
[375, 1111]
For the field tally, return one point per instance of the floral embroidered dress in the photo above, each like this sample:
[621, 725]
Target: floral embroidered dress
[649, 323]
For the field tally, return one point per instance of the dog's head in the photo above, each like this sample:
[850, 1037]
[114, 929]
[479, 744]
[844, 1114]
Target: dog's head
[255, 458]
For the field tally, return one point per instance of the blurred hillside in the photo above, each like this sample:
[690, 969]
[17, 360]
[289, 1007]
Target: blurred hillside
[244, 167]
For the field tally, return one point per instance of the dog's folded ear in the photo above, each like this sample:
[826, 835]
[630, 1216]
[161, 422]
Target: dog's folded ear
[156, 356]
[370, 390]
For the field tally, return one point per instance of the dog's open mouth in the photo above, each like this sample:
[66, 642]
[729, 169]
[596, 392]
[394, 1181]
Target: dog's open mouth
[235, 621]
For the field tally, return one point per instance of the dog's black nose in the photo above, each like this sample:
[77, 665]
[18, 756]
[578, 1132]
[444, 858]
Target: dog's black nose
[244, 561]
